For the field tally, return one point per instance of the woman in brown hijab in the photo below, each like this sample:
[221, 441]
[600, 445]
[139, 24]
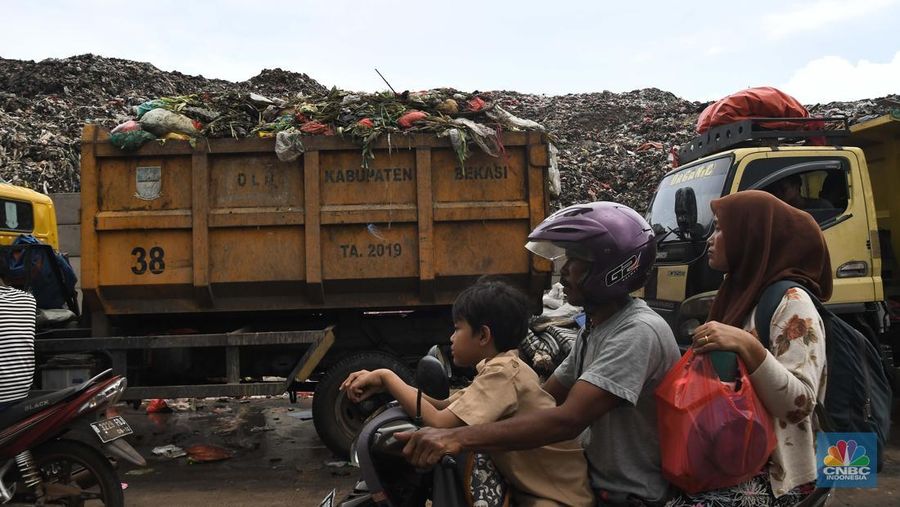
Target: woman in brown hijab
[759, 240]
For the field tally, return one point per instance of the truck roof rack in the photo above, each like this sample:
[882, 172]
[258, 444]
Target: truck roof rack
[752, 132]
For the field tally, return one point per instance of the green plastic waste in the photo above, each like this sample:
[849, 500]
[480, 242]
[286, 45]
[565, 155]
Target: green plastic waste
[130, 141]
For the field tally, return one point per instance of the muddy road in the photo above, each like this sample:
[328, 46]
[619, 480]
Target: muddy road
[277, 459]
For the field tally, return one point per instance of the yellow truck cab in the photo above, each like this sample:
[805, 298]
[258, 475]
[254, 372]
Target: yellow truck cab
[24, 211]
[848, 185]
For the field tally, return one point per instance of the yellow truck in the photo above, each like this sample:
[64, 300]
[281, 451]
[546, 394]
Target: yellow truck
[850, 186]
[215, 269]
[24, 211]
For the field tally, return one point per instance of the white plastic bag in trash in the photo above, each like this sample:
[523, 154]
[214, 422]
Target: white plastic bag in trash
[511, 121]
[555, 183]
[162, 121]
[288, 145]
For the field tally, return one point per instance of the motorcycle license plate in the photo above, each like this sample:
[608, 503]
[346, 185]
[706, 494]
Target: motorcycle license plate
[111, 429]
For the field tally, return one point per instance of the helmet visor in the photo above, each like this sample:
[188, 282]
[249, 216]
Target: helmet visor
[555, 250]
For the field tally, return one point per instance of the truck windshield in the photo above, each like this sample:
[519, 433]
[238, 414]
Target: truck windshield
[707, 180]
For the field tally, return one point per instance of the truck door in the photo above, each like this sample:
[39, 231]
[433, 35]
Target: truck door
[827, 185]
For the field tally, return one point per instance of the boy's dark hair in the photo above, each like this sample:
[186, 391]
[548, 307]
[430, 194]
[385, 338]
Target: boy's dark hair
[497, 305]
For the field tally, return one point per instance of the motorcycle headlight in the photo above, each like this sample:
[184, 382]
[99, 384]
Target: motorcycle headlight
[108, 395]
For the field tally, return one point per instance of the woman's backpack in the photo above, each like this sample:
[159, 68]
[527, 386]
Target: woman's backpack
[858, 395]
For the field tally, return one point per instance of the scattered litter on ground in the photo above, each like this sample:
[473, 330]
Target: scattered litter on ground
[158, 406]
[203, 453]
[140, 471]
[169, 451]
[303, 415]
[259, 429]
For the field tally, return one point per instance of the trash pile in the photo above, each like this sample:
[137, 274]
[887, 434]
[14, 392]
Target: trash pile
[612, 146]
[44, 106]
[467, 120]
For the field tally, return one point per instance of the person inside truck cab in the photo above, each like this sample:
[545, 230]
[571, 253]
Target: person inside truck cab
[606, 385]
[17, 323]
[788, 189]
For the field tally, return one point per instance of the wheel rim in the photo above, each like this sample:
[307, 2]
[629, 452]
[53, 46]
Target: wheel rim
[350, 416]
[70, 481]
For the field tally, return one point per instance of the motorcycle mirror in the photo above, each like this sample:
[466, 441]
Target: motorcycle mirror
[432, 380]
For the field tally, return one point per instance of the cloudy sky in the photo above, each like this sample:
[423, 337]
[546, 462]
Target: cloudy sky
[818, 50]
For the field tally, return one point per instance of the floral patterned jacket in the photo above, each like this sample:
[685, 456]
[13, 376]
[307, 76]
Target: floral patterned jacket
[789, 381]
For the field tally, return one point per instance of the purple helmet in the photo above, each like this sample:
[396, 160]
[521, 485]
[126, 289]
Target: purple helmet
[613, 237]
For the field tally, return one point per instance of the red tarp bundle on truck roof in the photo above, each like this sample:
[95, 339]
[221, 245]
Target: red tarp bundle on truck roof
[761, 102]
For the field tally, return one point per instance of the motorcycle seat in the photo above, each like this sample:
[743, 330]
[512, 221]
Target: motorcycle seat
[31, 405]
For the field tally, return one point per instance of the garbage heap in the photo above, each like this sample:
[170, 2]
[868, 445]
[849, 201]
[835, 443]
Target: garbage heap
[466, 119]
[44, 106]
[612, 146]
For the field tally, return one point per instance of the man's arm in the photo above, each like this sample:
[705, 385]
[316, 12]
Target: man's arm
[556, 389]
[584, 404]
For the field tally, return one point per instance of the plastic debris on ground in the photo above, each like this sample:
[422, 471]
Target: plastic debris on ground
[203, 453]
[140, 471]
[158, 406]
[303, 415]
[169, 451]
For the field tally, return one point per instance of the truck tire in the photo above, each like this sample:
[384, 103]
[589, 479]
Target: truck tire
[336, 418]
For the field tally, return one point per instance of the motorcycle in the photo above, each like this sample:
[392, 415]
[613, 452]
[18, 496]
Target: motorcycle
[49, 452]
[387, 479]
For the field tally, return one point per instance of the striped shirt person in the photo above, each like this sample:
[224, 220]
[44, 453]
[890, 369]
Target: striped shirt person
[17, 323]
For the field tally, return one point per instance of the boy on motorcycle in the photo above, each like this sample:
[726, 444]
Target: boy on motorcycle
[17, 322]
[607, 382]
[490, 320]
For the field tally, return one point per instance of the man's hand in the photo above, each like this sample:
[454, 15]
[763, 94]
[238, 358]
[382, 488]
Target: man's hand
[362, 384]
[426, 447]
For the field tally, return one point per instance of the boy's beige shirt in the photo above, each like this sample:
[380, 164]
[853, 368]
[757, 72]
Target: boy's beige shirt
[546, 476]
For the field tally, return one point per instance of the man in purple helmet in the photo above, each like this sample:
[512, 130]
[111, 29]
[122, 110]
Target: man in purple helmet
[607, 382]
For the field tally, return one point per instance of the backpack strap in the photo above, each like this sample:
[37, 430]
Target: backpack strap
[765, 309]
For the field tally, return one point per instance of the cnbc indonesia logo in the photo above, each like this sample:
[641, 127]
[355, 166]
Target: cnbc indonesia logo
[846, 461]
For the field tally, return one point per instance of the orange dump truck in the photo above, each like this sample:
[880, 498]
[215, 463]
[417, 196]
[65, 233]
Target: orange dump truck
[209, 270]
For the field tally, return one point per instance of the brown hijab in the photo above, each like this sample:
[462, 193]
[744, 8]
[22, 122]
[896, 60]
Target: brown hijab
[766, 240]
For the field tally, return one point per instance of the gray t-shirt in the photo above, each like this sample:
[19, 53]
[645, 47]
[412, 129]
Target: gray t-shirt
[627, 355]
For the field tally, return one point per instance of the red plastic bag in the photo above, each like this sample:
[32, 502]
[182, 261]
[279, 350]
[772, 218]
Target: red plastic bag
[406, 121]
[762, 102]
[711, 434]
[316, 128]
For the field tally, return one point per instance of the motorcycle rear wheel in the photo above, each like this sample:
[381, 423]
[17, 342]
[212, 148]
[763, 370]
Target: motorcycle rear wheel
[78, 466]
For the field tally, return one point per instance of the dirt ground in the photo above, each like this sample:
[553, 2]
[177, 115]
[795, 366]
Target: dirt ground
[279, 461]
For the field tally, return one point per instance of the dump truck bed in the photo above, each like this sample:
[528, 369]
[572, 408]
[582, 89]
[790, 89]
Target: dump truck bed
[224, 225]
